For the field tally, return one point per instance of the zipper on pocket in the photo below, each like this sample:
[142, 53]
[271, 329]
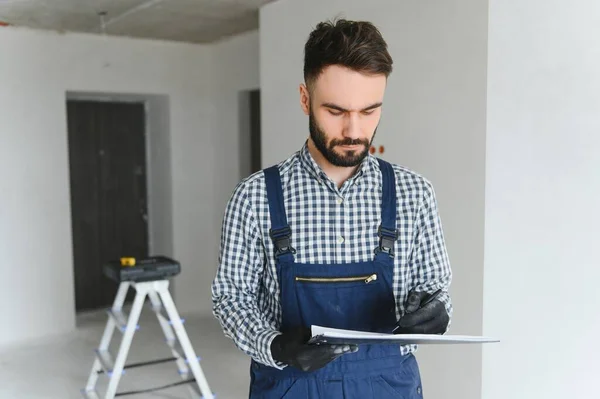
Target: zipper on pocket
[366, 279]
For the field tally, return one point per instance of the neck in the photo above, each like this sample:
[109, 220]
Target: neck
[339, 174]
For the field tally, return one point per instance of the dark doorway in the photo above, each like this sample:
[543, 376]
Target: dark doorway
[255, 136]
[107, 159]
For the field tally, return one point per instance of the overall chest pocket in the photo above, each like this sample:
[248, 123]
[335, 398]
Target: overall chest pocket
[359, 301]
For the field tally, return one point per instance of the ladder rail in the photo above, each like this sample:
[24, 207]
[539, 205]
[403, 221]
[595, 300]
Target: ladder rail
[165, 295]
[134, 316]
[117, 306]
[107, 335]
[167, 331]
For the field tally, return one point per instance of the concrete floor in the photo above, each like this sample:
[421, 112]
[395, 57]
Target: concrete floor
[58, 367]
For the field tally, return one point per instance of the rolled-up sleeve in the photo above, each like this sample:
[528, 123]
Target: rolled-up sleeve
[237, 281]
[431, 267]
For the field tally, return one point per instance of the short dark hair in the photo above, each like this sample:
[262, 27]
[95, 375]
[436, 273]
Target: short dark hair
[357, 45]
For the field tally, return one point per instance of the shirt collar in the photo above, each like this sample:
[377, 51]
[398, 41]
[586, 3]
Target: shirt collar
[366, 167]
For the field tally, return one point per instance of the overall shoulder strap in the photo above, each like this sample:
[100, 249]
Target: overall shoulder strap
[387, 230]
[280, 231]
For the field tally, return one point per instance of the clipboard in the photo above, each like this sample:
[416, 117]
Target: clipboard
[334, 336]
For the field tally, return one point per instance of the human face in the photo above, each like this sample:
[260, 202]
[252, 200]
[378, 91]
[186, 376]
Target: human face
[344, 109]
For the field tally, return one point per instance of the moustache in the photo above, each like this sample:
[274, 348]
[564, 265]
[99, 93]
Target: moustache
[349, 142]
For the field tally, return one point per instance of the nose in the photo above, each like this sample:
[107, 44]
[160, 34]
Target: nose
[352, 128]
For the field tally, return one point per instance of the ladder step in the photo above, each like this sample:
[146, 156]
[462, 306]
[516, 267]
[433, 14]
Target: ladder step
[120, 319]
[106, 361]
[162, 314]
[90, 394]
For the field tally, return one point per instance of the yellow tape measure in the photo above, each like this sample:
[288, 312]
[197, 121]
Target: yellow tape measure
[127, 261]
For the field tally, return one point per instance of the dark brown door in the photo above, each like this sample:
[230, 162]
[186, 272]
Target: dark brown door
[107, 155]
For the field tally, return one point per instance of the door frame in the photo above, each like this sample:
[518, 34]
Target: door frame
[158, 169]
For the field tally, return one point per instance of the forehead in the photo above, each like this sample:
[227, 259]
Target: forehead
[348, 88]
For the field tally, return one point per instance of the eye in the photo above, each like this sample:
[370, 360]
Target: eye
[368, 112]
[335, 113]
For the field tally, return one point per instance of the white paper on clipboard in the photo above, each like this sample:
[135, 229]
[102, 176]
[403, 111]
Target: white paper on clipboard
[337, 336]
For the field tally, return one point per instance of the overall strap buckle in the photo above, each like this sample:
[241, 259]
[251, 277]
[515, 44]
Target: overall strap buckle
[387, 239]
[282, 240]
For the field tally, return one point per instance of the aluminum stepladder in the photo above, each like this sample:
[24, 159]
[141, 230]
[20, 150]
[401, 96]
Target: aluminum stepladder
[172, 326]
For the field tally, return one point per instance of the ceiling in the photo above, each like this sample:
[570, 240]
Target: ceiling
[195, 21]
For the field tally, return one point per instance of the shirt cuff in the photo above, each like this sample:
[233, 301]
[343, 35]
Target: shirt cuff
[264, 341]
[445, 299]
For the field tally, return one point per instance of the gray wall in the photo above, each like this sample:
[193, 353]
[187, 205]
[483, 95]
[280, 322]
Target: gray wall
[433, 122]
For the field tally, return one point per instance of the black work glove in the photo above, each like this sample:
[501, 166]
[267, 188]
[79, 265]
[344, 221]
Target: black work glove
[430, 318]
[291, 348]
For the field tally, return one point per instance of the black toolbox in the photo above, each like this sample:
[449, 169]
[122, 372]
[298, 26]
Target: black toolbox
[140, 270]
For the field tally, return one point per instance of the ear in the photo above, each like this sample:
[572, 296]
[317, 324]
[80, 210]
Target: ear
[304, 99]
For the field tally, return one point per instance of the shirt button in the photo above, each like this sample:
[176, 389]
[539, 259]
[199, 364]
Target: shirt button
[340, 200]
[419, 390]
[340, 240]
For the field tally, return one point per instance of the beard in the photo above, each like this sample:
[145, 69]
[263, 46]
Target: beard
[347, 158]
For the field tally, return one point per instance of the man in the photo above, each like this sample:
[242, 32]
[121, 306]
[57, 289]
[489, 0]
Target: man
[336, 237]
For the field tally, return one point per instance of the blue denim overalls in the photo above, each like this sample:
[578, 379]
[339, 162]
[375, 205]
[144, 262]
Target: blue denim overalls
[355, 296]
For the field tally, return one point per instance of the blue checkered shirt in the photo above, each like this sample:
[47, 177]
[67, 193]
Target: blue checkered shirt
[329, 225]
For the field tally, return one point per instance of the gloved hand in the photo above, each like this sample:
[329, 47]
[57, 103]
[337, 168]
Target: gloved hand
[291, 348]
[430, 318]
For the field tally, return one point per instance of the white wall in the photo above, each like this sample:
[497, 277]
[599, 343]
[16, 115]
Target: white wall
[433, 122]
[542, 197]
[236, 66]
[235, 70]
[37, 69]
[160, 190]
